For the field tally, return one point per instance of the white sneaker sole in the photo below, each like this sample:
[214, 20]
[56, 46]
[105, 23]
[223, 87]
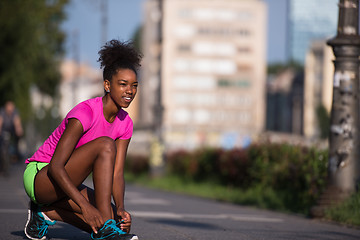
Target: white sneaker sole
[27, 222]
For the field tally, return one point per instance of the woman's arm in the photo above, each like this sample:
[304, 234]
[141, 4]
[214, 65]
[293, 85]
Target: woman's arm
[63, 151]
[119, 182]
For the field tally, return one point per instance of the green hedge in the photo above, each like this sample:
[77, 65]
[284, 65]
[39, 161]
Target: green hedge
[137, 164]
[294, 175]
[278, 176]
[347, 212]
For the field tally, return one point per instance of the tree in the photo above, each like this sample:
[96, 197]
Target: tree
[275, 68]
[31, 47]
[323, 121]
[137, 38]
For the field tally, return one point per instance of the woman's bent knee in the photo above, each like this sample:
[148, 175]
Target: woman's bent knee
[106, 146]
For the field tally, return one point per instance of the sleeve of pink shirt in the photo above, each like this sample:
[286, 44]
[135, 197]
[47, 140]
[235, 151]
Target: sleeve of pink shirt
[128, 131]
[82, 112]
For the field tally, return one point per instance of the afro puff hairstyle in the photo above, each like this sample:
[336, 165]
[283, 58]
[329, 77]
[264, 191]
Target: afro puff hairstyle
[115, 55]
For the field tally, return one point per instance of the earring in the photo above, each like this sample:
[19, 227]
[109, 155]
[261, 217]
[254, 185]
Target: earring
[107, 90]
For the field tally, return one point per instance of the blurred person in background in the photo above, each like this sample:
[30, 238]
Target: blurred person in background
[93, 138]
[10, 132]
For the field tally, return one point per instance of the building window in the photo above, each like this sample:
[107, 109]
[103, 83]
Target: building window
[220, 14]
[239, 83]
[245, 68]
[194, 82]
[225, 32]
[184, 48]
[206, 65]
[184, 13]
[184, 31]
[243, 50]
[202, 116]
[214, 49]
[224, 83]
[243, 32]
[245, 15]
[182, 116]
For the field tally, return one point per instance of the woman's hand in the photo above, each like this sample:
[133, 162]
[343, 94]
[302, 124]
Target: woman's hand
[125, 219]
[93, 217]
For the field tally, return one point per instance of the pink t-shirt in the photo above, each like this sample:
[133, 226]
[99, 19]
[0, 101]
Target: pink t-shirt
[90, 114]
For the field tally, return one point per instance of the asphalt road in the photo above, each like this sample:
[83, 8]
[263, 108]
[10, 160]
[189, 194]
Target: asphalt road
[165, 216]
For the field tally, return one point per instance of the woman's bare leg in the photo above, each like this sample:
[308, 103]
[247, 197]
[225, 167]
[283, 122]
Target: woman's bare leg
[67, 211]
[97, 156]
[64, 211]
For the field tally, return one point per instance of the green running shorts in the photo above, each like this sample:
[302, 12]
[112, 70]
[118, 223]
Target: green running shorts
[30, 172]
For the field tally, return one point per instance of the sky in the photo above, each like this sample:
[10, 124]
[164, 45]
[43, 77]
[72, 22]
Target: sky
[84, 32]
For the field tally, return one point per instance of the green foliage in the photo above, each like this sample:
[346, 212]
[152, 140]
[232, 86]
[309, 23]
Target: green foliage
[276, 68]
[323, 121]
[297, 174]
[178, 163]
[210, 164]
[45, 125]
[276, 176]
[137, 36]
[31, 46]
[347, 212]
[272, 176]
[137, 164]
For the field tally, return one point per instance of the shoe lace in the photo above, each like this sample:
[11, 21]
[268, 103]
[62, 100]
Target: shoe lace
[118, 225]
[114, 228]
[42, 227]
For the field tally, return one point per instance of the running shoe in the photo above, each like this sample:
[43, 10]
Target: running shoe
[36, 226]
[134, 237]
[110, 231]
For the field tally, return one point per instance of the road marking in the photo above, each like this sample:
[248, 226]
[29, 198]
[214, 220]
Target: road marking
[255, 219]
[13, 210]
[235, 217]
[147, 201]
[137, 198]
[170, 215]
[155, 214]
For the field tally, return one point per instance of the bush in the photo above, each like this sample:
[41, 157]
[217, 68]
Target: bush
[295, 176]
[233, 166]
[277, 176]
[180, 163]
[137, 164]
[273, 176]
[347, 212]
[206, 161]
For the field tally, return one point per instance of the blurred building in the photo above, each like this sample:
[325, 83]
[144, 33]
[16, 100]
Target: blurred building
[299, 102]
[79, 82]
[150, 70]
[285, 101]
[310, 20]
[319, 72]
[213, 68]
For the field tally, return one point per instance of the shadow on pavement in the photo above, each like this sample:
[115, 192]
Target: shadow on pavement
[191, 224]
[61, 231]
[66, 231]
[20, 234]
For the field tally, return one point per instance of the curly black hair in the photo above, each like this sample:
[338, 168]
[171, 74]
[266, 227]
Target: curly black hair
[115, 55]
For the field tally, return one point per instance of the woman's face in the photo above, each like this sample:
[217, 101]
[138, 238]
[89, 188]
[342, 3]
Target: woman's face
[122, 87]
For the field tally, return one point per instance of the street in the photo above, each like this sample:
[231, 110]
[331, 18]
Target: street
[165, 216]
